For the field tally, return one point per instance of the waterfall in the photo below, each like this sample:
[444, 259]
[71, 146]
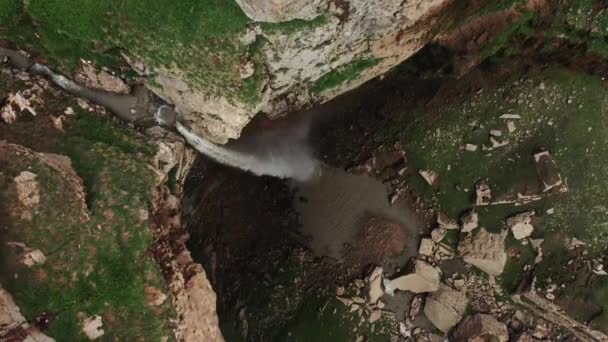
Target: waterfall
[285, 157]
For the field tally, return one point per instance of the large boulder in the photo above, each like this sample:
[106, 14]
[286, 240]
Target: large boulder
[445, 307]
[485, 251]
[480, 328]
[423, 278]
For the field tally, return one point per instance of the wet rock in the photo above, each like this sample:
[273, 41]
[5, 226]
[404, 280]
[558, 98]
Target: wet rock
[446, 222]
[520, 225]
[431, 177]
[470, 221]
[423, 278]
[375, 285]
[480, 328]
[101, 80]
[92, 327]
[485, 251]
[445, 308]
[548, 172]
[483, 192]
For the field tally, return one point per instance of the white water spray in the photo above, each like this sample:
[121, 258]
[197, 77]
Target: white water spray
[286, 156]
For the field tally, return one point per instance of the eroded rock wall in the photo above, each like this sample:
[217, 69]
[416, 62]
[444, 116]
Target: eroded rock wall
[317, 51]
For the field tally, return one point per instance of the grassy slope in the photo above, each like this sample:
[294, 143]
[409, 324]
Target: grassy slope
[98, 267]
[198, 37]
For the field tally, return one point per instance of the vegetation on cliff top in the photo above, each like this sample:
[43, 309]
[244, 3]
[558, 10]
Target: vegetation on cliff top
[198, 38]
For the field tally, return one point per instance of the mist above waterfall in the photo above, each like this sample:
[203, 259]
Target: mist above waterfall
[282, 152]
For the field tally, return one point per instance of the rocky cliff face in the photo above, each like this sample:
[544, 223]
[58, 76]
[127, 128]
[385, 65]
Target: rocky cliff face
[312, 52]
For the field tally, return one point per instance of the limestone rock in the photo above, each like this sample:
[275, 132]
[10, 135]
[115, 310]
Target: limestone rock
[520, 225]
[102, 80]
[28, 193]
[427, 247]
[14, 104]
[548, 172]
[375, 285]
[375, 315]
[446, 222]
[438, 234]
[431, 177]
[11, 318]
[471, 147]
[470, 221]
[154, 296]
[92, 327]
[485, 251]
[484, 193]
[281, 10]
[445, 308]
[32, 258]
[480, 328]
[424, 278]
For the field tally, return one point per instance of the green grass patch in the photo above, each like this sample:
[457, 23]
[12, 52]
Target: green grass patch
[198, 39]
[343, 74]
[9, 9]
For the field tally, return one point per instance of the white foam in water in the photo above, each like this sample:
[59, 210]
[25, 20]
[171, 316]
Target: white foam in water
[285, 155]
